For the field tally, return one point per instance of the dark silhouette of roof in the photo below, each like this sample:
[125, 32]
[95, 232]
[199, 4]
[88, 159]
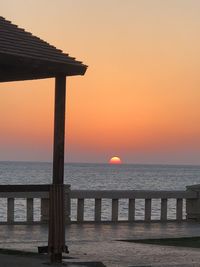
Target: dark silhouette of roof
[24, 56]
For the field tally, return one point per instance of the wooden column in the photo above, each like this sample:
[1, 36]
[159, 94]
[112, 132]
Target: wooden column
[59, 130]
[56, 242]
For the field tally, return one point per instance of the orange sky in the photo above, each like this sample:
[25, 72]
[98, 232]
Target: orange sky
[140, 96]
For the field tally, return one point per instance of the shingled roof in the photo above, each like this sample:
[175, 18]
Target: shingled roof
[24, 56]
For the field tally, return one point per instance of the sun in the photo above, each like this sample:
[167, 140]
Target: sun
[115, 160]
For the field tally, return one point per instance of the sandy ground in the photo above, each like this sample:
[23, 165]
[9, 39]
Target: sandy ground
[101, 243]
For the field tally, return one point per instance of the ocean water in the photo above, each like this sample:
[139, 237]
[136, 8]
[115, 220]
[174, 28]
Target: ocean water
[102, 177]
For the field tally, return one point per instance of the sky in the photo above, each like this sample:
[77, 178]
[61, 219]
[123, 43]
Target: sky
[139, 98]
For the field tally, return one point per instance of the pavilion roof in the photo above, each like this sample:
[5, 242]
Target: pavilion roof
[24, 56]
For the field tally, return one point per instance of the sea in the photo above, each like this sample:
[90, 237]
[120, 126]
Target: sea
[100, 177]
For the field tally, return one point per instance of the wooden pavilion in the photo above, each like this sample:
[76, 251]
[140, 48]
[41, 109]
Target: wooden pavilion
[27, 57]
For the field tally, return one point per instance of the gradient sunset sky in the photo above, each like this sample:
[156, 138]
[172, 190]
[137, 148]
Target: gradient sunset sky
[140, 97]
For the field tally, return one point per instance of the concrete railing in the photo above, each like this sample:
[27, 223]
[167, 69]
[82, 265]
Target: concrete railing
[27, 194]
[10, 193]
[131, 196]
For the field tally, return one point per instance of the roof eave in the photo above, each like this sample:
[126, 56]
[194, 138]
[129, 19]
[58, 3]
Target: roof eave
[18, 68]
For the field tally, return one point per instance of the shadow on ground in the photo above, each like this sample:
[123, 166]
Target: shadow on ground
[190, 242]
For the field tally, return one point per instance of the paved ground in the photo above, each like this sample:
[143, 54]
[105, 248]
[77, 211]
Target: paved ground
[100, 243]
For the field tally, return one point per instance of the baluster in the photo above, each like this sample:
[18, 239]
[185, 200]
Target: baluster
[10, 210]
[147, 217]
[115, 210]
[131, 210]
[97, 216]
[44, 210]
[80, 210]
[163, 215]
[179, 209]
[29, 209]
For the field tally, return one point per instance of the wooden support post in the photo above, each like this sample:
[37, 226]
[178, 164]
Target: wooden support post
[59, 130]
[56, 242]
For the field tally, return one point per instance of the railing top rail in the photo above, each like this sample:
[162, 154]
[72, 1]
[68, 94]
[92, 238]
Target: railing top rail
[131, 194]
[43, 189]
[25, 188]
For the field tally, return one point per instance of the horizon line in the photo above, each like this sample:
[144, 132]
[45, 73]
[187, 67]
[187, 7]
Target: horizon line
[105, 163]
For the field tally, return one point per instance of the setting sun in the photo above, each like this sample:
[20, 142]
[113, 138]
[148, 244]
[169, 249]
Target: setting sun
[115, 160]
